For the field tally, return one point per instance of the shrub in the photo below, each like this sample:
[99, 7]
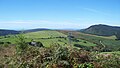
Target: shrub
[21, 44]
[8, 42]
[117, 34]
[75, 40]
[84, 42]
[86, 65]
[39, 44]
[1, 42]
[87, 48]
[5, 44]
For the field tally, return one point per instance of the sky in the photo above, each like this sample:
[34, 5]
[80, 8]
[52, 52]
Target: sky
[58, 14]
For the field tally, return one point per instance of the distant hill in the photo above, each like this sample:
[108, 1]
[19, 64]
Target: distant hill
[101, 30]
[35, 30]
[6, 32]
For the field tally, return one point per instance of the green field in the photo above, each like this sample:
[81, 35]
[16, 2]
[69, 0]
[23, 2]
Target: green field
[48, 38]
[44, 34]
[108, 41]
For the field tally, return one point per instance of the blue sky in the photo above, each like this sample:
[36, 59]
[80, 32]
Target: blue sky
[58, 14]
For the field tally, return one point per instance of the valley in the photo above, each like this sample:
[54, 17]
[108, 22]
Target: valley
[74, 48]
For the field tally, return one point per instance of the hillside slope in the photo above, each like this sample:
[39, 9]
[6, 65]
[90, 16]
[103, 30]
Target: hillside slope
[108, 41]
[35, 30]
[102, 30]
[49, 37]
[6, 32]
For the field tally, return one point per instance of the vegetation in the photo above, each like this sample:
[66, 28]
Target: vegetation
[109, 43]
[117, 35]
[21, 44]
[47, 38]
[85, 52]
[58, 56]
[6, 32]
[101, 30]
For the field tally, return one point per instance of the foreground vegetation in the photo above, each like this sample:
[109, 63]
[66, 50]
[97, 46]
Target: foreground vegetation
[56, 56]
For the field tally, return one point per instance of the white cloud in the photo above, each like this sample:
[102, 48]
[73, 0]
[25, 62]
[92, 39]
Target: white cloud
[29, 24]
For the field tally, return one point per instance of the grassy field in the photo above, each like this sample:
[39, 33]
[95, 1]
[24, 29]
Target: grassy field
[50, 35]
[109, 42]
[48, 38]
[44, 34]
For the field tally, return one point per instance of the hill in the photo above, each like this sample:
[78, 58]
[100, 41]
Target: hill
[35, 30]
[102, 30]
[109, 41]
[6, 32]
[49, 37]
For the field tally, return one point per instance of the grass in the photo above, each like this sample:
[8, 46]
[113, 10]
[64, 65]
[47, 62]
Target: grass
[63, 55]
[6, 52]
[109, 42]
[49, 38]
[44, 34]
[114, 52]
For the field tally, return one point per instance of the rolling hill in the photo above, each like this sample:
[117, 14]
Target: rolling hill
[108, 41]
[48, 37]
[35, 30]
[101, 30]
[6, 32]
[92, 36]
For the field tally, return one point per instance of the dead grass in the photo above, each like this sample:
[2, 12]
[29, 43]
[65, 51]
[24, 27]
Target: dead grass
[6, 52]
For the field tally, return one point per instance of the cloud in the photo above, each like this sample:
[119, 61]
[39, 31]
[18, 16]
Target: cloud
[29, 24]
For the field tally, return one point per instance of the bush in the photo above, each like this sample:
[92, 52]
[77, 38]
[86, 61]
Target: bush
[8, 42]
[86, 65]
[1, 42]
[39, 44]
[117, 35]
[83, 47]
[5, 44]
[75, 40]
[58, 56]
[84, 42]
[21, 44]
